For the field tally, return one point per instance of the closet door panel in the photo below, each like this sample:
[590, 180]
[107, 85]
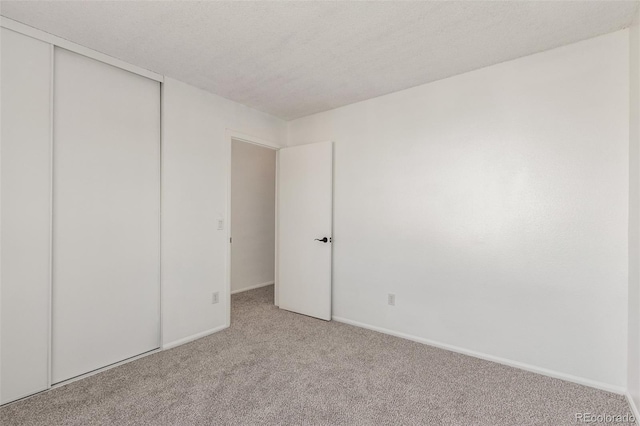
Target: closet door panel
[25, 217]
[106, 215]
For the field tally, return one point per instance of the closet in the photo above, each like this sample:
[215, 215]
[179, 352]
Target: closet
[80, 215]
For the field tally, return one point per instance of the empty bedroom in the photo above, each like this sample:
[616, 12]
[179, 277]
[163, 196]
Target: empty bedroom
[319, 212]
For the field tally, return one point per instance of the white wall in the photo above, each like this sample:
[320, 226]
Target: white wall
[494, 204]
[253, 204]
[633, 374]
[195, 167]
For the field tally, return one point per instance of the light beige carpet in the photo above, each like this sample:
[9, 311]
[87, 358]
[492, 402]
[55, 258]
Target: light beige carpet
[276, 367]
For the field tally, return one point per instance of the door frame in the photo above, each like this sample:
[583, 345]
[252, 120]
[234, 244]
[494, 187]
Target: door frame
[232, 135]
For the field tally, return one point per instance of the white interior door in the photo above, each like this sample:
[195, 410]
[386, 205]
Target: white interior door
[106, 215]
[305, 206]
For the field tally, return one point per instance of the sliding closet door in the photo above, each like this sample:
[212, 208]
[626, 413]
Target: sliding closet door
[26, 200]
[106, 215]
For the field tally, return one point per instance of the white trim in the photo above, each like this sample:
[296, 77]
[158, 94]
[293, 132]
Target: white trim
[244, 137]
[253, 287]
[227, 213]
[276, 248]
[333, 220]
[52, 62]
[539, 370]
[161, 302]
[193, 337]
[69, 45]
[634, 408]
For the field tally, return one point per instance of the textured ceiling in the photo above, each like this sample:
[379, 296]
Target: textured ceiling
[292, 59]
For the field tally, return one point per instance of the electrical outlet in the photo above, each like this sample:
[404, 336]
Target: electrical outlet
[220, 224]
[215, 298]
[391, 299]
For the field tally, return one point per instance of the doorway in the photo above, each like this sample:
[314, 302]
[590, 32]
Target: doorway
[252, 216]
[280, 210]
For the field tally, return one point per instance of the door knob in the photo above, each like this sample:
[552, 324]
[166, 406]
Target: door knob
[324, 240]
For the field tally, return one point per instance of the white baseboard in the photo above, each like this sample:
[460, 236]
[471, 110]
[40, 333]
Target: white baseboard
[539, 370]
[634, 407]
[253, 287]
[193, 337]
